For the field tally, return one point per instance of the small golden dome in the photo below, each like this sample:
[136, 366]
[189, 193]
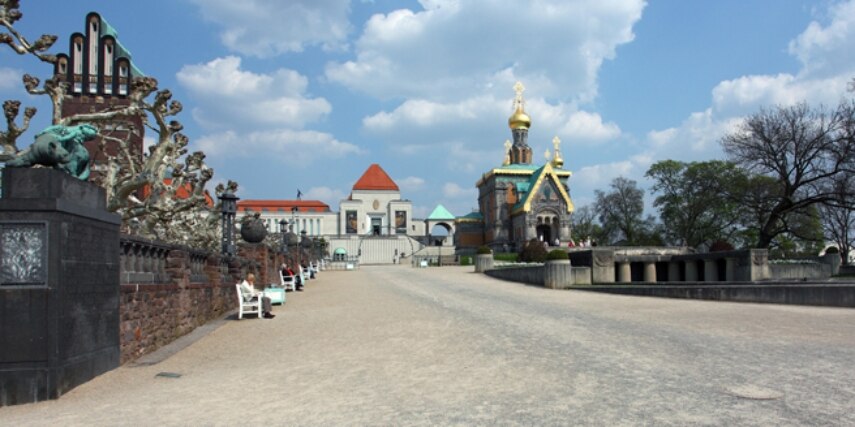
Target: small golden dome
[519, 120]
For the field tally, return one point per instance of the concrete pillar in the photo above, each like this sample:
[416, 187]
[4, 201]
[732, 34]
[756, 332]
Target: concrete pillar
[674, 271]
[483, 262]
[691, 271]
[730, 269]
[557, 274]
[710, 270]
[649, 271]
[624, 272]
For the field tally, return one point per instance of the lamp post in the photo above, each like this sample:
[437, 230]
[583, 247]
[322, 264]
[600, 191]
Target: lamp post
[228, 203]
[282, 230]
[305, 244]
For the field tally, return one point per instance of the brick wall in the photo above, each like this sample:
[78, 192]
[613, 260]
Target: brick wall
[178, 299]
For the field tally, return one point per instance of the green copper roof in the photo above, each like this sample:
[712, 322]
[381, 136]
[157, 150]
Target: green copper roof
[121, 51]
[519, 166]
[525, 187]
[340, 251]
[472, 215]
[440, 213]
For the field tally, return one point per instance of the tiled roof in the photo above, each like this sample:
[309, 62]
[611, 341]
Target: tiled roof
[440, 213]
[182, 192]
[375, 178]
[282, 205]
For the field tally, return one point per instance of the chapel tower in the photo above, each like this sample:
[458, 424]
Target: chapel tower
[519, 122]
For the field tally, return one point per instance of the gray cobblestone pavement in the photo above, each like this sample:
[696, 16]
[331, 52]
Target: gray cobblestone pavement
[444, 346]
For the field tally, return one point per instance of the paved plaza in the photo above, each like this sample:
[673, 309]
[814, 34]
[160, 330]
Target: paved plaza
[444, 346]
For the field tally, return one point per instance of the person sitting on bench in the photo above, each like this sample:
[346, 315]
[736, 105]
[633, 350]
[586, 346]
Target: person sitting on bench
[287, 272]
[247, 289]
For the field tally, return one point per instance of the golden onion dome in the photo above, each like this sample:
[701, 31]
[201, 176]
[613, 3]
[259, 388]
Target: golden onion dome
[519, 120]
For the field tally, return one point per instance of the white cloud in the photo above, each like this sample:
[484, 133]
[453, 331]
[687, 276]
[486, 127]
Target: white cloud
[330, 196]
[229, 95]
[266, 28]
[480, 121]
[585, 126]
[296, 147]
[410, 183]
[10, 79]
[827, 50]
[430, 54]
[826, 69]
[454, 191]
[599, 176]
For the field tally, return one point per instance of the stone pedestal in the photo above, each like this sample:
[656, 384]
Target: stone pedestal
[483, 262]
[557, 274]
[59, 285]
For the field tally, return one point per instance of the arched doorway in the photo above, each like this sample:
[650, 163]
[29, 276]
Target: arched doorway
[544, 233]
[440, 234]
[547, 228]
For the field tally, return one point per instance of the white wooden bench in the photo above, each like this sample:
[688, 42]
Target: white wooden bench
[252, 306]
[287, 282]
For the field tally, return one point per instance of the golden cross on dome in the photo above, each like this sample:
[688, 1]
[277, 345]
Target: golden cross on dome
[556, 142]
[518, 100]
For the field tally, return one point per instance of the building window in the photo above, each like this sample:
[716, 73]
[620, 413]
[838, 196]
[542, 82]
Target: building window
[350, 222]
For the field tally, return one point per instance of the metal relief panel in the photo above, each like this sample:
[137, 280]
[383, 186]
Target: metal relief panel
[23, 253]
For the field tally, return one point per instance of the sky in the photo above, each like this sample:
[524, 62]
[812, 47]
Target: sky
[306, 94]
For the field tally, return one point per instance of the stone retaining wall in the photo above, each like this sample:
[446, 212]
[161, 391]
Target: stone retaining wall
[532, 275]
[818, 294]
[167, 290]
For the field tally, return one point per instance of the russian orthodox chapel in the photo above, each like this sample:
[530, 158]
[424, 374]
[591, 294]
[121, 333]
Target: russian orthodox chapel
[520, 201]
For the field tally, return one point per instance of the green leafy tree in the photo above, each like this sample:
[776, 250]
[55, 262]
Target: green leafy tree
[695, 200]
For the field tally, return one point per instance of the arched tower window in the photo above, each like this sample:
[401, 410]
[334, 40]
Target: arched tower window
[124, 76]
[77, 61]
[94, 24]
[108, 66]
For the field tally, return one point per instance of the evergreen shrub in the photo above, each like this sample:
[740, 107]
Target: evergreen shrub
[533, 251]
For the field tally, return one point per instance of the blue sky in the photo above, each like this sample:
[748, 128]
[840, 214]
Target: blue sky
[307, 94]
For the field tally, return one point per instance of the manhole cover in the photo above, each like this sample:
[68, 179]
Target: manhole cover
[168, 375]
[753, 392]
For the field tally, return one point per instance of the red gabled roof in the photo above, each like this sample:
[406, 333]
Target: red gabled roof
[282, 205]
[375, 178]
[182, 192]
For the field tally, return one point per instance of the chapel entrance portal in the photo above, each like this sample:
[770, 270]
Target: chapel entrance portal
[544, 233]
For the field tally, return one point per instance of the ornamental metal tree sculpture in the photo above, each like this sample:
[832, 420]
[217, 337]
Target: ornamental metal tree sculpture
[161, 194]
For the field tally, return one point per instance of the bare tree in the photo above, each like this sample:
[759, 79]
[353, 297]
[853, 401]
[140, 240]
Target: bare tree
[620, 211]
[143, 189]
[838, 218]
[802, 149]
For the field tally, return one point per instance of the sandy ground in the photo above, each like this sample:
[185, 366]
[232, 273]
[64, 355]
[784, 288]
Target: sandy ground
[444, 346]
